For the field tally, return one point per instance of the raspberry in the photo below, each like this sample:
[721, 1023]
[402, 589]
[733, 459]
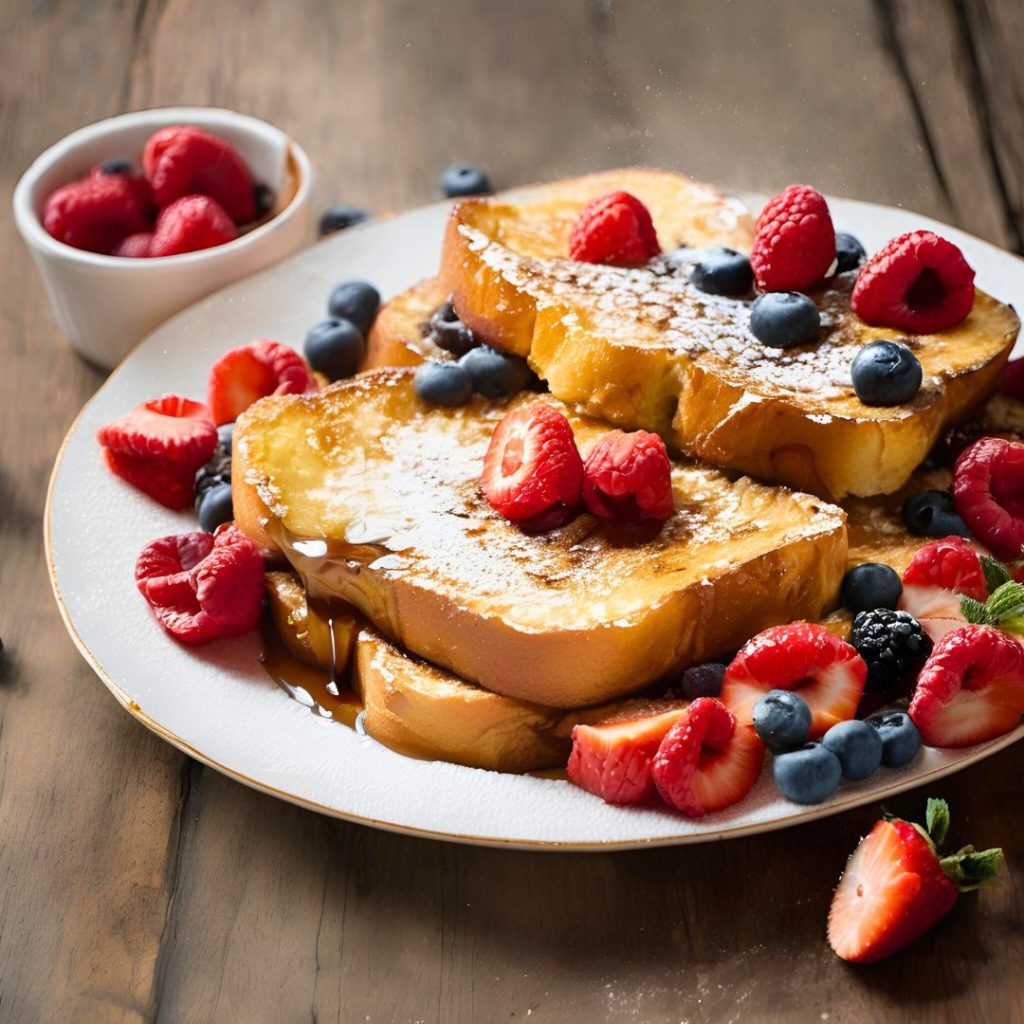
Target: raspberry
[137, 246]
[892, 644]
[988, 488]
[95, 213]
[614, 228]
[181, 160]
[202, 587]
[189, 224]
[918, 282]
[971, 689]
[1012, 381]
[250, 372]
[170, 483]
[628, 477]
[794, 241]
[532, 464]
[169, 428]
[950, 563]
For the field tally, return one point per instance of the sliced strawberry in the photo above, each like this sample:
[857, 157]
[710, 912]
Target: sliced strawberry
[988, 488]
[250, 372]
[202, 586]
[951, 563]
[971, 689]
[895, 888]
[707, 761]
[825, 670]
[170, 483]
[532, 464]
[936, 608]
[170, 428]
[613, 761]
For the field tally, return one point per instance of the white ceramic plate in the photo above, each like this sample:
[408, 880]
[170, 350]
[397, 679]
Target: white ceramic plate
[218, 705]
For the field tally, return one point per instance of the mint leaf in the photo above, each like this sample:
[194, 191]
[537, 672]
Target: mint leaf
[1014, 624]
[974, 611]
[936, 820]
[972, 869]
[996, 574]
[1006, 603]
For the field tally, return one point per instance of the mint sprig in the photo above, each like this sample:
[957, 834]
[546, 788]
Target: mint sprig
[1004, 608]
[996, 574]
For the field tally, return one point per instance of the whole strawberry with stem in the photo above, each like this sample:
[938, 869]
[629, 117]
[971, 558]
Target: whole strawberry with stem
[897, 885]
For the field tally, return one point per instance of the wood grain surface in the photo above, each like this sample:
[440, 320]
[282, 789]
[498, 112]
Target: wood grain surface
[137, 886]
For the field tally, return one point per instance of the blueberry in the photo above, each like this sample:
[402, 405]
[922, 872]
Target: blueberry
[808, 775]
[495, 374]
[722, 271]
[225, 435]
[214, 507]
[463, 180]
[263, 199]
[849, 253]
[335, 348]
[782, 719]
[858, 747]
[443, 382]
[447, 331]
[869, 586]
[886, 373]
[933, 514]
[702, 681]
[784, 319]
[900, 739]
[357, 301]
[338, 217]
[120, 165]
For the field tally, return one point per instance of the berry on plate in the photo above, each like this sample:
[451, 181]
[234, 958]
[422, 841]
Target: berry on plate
[532, 464]
[938, 575]
[495, 374]
[463, 179]
[857, 745]
[782, 720]
[784, 319]
[794, 241]
[893, 645]
[339, 216]
[166, 482]
[250, 372]
[213, 499]
[849, 252]
[900, 739]
[918, 283]
[355, 301]
[808, 775]
[722, 271]
[933, 514]
[971, 689]
[447, 331]
[614, 228]
[95, 213]
[443, 382]
[182, 160]
[702, 680]
[707, 761]
[869, 586]
[826, 671]
[886, 373]
[988, 488]
[202, 586]
[334, 348]
[613, 760]
[628, 477]
[896, 887]
[190, 224]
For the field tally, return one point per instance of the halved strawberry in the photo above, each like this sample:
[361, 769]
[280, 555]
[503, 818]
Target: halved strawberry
[932, 584]
[895, 887]
[170, 427]
[707, 761]
[170, 483]
[825, 670]
[532, 464]
[971, 689]
[613, 760]
[250, 372]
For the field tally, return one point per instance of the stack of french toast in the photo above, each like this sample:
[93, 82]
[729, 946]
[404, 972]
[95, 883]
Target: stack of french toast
[472, 639]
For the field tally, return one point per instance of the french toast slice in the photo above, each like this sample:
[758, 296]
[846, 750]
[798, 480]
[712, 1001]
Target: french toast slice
[642, 347]
[398, 336]
[374, 497]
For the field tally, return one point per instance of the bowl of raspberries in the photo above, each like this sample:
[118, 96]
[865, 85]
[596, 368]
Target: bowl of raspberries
[132, 219]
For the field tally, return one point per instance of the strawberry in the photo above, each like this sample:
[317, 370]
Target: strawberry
[707, 761]
[250, 372]
[988, 489]
[936, 608]
[532, 466]
[895, 886]
[825, 670]
[933, 582]
[182, 160]
[202, 586]
[628, 477]
[613, 760]
[166, 482]
[971, 688]
[614, 228]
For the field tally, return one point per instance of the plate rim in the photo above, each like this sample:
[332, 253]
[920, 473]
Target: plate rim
[805, 816]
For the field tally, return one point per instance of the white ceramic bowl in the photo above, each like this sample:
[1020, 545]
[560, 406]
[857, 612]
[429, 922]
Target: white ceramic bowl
[105, 304]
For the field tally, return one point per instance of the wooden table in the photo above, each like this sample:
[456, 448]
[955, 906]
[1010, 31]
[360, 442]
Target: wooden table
[136, 885]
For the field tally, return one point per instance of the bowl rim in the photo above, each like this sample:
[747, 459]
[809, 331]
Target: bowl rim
[37, 237]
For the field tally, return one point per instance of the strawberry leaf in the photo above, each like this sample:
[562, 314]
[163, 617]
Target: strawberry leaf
[996, 574]
[974, 611]
[936, 819]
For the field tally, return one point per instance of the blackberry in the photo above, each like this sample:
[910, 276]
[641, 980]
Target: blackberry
[217, 471]
[893, 644]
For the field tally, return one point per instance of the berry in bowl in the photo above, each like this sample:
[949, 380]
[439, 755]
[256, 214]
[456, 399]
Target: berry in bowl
[136, 217]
